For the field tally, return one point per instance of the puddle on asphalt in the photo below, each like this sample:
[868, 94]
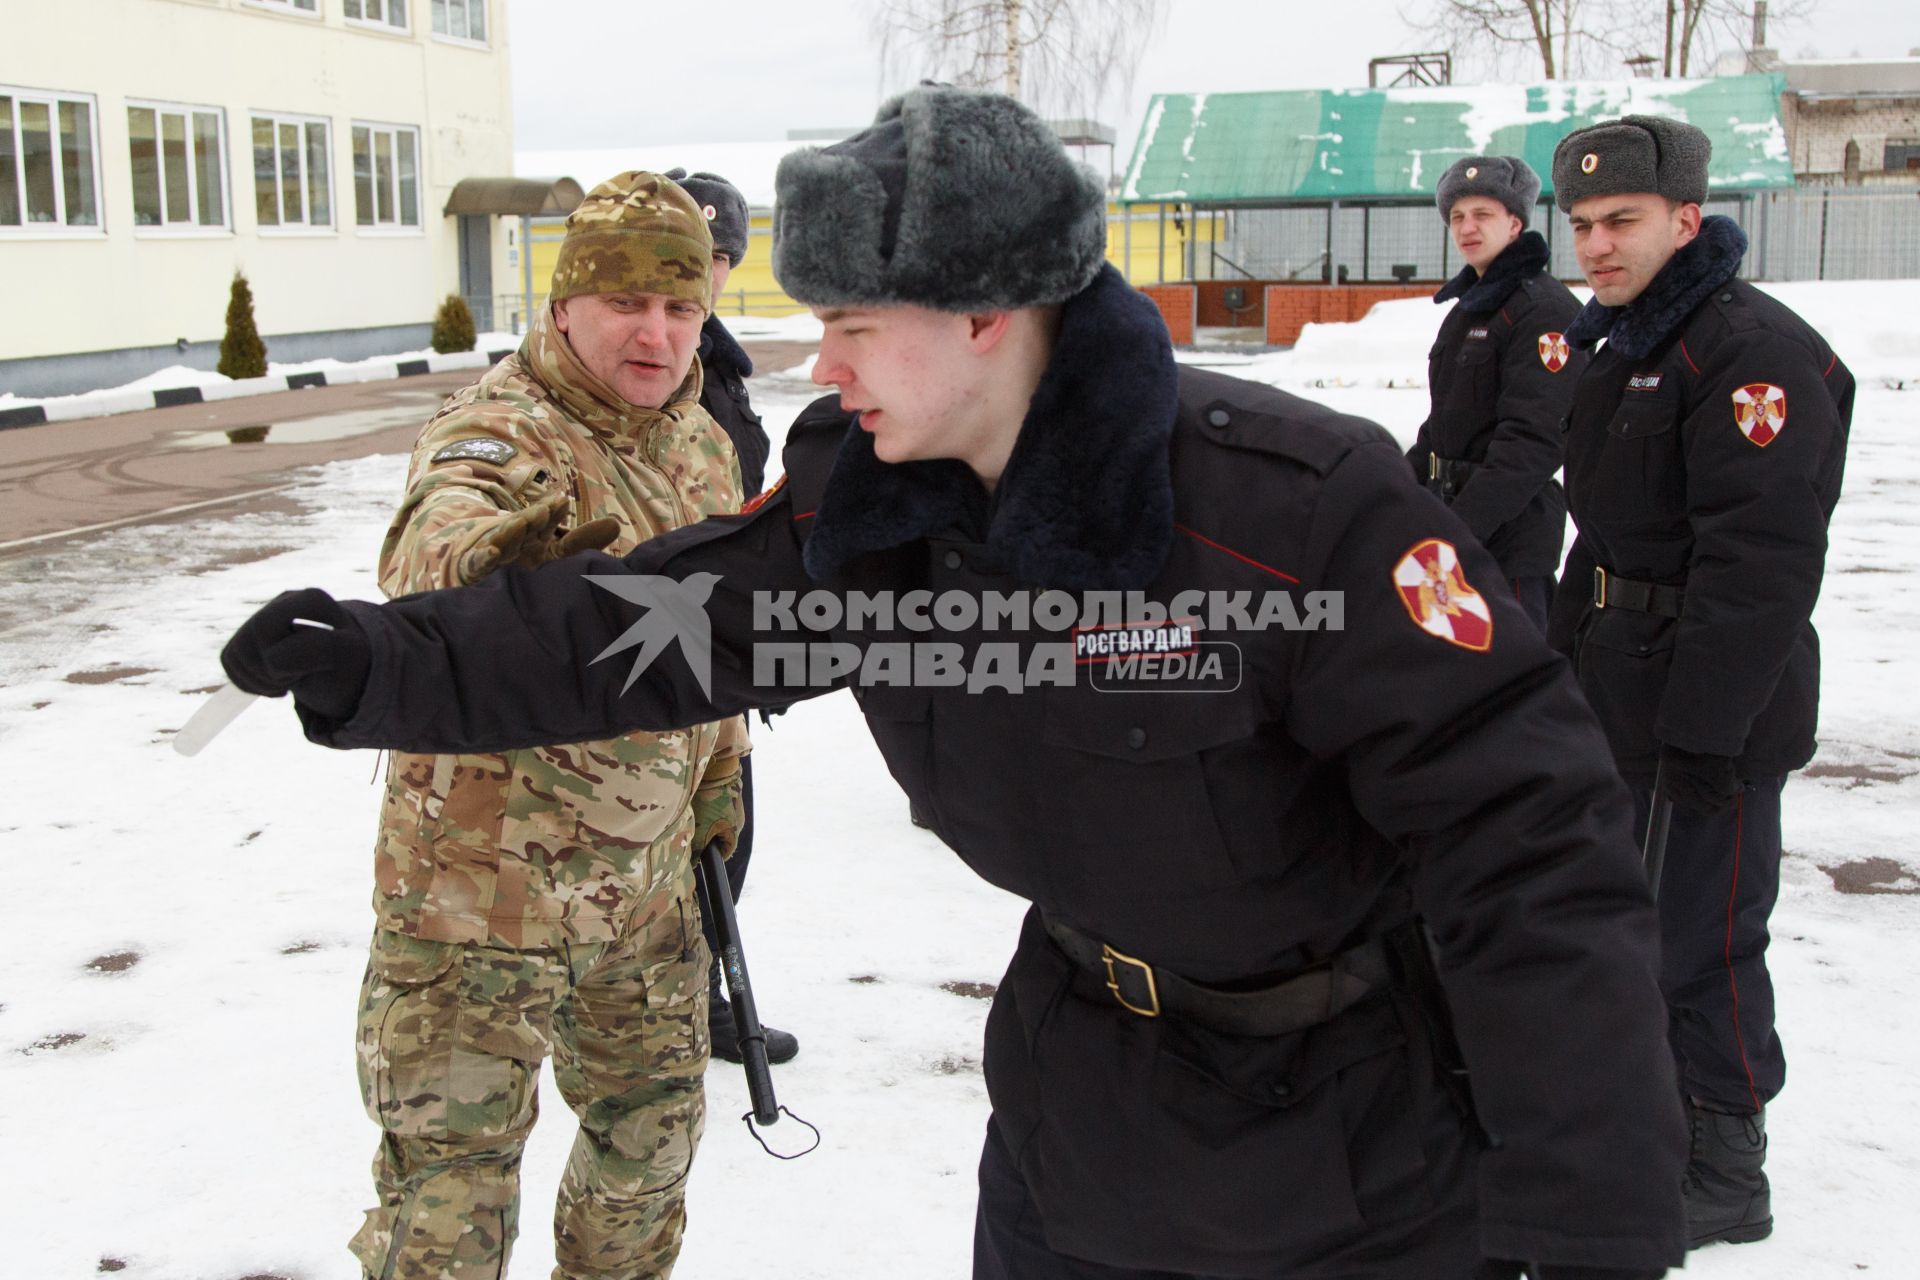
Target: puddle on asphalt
[413, 408]
[107, 675]
[1872, 875]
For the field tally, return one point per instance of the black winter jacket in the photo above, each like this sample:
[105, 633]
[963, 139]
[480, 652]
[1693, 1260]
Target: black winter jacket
[724, 396]
[1429, 756]
[1502, 377]
[1705, 451]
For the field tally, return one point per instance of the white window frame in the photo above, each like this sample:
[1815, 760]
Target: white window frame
[484, 42]
[396, 227]
[59, 228]
[292, 8]
[304, 227]
[193, 228]
[385, 21]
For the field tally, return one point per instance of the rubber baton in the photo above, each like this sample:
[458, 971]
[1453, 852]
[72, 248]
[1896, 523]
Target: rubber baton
[717, 901]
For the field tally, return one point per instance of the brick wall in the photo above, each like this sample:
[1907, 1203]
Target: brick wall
[1818, 132]
[1291, 307]
[1179, 306]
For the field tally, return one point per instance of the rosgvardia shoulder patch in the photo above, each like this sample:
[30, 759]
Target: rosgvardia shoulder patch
[1439, 598]
[486, 449]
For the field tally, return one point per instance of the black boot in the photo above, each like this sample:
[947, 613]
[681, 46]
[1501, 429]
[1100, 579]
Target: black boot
[781, 1045]
[1725, 1186]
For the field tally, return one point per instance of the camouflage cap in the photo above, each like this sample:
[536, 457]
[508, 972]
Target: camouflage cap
[636, 233]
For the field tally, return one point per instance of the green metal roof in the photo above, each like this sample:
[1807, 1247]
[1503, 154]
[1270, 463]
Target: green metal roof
[1373, 144]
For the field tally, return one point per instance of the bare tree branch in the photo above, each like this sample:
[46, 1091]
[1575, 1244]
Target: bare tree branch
[1686, 37]
[1711, 27]
[1556, 39]
[1063, 56]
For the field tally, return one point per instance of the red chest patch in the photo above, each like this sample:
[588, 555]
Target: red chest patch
[1554, 351]
[1439, 599]
[1760, 411]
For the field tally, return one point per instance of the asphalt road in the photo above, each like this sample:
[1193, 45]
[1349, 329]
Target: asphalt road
[71, 478]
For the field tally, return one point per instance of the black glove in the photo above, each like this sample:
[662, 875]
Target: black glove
[1595, 1273]
[277, 651]
[1704, 784]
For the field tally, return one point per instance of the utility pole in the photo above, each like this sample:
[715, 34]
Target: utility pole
[1013, 48]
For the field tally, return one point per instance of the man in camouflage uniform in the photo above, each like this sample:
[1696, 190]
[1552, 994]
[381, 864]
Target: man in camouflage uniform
[542, 899]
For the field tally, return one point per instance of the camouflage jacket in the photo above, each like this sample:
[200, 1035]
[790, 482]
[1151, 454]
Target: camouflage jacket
[534, 847]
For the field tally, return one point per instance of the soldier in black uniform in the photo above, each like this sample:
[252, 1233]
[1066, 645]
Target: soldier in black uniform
[1222, 1046]
[723, 394]
[1704, 459]
[1501, 375]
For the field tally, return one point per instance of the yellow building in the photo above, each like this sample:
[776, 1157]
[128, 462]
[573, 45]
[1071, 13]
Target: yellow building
[1159, 245]
[149, 150]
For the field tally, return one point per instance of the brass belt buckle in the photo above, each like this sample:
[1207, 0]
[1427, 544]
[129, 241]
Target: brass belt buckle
[1433, 466]
[1109, 955]
[1599, 587]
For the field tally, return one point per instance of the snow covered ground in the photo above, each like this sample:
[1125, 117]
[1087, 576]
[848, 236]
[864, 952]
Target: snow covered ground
[136, 395]
[177, 986]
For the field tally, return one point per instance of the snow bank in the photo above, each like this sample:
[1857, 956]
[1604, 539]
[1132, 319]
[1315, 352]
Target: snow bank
[797, 327]
[138, 394]
[1869, 323]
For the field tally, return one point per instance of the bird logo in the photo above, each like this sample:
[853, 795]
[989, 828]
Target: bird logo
[676, 610]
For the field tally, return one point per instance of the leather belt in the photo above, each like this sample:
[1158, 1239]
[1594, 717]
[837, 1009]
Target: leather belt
[1611, 591]
[1305, 1000]
[1449, 472]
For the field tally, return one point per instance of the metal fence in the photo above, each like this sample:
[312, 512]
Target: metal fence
[509, 312]
[1828, 234]
[747, 302]
[1799, 234]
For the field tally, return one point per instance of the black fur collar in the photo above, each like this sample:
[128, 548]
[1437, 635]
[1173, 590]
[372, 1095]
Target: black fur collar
[1526, 255]
[1702, 265]
[719, 350]
[1087, 499]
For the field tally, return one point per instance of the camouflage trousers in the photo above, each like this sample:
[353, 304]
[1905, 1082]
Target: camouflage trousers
[451, 1038]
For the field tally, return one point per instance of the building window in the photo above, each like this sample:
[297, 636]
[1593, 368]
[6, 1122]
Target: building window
[376, 13]
[291, 174]
[461, 19]
[48, 175]
[386, 175]
[298, 6]
[179, 166]
[1902, 156]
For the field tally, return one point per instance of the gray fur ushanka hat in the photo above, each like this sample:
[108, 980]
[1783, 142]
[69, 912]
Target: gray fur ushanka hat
[725, 208]
[1631, 155]
[1507, 179]
[952, 199]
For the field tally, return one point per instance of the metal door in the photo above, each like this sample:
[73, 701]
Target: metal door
[476, 268]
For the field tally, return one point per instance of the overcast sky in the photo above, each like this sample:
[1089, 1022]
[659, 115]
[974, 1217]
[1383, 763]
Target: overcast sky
[593, 73]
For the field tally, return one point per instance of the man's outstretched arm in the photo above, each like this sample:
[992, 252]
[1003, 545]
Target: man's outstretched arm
[531, 657]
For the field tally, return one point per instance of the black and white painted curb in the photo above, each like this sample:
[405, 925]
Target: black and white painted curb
[100, 404]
